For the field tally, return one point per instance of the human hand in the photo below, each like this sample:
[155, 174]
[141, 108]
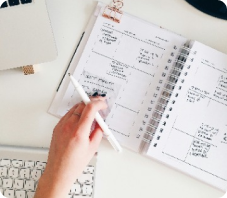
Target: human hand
[72, 147]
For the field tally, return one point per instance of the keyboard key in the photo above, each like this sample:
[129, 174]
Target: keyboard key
[7, 183]
[13, 2]
[29, 185]
[30, 194]
[40, 165]
[76, 189]
[87, 190]
[5, 162]
[85, 179]
[25, 173]
[1, 190]
[9, 193]
[13, 172]
[0, 181]
[3, 171]
[17, 163]
[29, 164]
[89, 169]
[36, 174]
[25, 1]
[20, 194]
[4, 5]
[18, 184]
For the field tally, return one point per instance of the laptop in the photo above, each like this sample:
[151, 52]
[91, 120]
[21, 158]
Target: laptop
[26, 36]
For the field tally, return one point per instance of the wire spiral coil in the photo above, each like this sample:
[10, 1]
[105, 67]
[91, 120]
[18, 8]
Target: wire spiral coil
[159, 111]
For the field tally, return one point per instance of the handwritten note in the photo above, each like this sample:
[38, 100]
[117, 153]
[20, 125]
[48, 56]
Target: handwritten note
[145, 57]
[92, 84]
[107, 37]
[199, 149]
[95, 84]
[207, 132]
[203, 141]
[118, 70]
[195, 94]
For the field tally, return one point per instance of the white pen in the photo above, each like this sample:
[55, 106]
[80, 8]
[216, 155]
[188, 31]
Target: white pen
[98, 118]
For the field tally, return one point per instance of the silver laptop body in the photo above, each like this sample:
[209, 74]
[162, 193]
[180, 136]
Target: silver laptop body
[26, 37]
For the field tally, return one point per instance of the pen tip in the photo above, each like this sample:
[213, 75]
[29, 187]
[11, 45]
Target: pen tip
[69, 74]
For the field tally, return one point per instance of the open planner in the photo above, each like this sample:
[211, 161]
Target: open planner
[167, 95]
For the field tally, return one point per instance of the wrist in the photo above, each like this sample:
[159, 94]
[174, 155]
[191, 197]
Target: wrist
[51, 187]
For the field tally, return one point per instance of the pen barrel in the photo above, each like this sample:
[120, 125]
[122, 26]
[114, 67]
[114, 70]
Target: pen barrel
[102, 124]
[107, 132]
[114, 143]
[83, 95]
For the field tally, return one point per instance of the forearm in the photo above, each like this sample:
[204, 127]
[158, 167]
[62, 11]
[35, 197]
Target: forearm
[49, 188]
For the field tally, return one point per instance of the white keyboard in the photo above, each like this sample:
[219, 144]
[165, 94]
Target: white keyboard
[19, 178]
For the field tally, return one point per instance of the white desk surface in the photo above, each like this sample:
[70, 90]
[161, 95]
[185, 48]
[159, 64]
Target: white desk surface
[25, 99]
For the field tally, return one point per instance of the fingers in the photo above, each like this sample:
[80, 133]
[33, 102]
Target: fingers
[88, 115]
[72, 110]
[68, 114]
[75, 115]
[96, 137]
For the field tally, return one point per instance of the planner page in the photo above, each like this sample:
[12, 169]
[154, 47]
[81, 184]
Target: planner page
[123, 61]
[193, 137]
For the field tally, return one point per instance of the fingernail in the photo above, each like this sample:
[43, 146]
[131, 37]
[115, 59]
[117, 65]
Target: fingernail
[95, 94]
[103, 95]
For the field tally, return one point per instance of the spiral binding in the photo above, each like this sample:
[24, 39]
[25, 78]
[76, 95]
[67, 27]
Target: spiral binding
[164, 99]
